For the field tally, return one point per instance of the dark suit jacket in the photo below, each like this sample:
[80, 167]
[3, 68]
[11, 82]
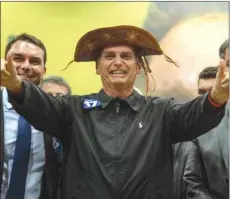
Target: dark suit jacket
[207, 169]
[181, 153]
[51, 175]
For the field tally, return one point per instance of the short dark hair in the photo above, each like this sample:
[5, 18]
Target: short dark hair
[31, 39]
[208, 72]
[224, 46]
[56, 80]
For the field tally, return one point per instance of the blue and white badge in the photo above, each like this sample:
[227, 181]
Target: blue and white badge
[91, 103]
[56, 145]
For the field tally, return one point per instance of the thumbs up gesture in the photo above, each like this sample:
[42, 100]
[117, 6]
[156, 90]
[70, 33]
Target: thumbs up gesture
[220, 92]
[9, 77]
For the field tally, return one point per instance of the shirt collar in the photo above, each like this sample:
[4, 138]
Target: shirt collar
[134, 100]
[6, 103]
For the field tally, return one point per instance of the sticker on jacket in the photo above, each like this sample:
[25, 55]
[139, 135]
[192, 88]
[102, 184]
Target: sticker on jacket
[56, 143]
[91, 103]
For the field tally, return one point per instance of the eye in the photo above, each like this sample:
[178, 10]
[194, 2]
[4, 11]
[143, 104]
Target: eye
[109, 56]
[17, 59]
[128, 57]
[35, 62]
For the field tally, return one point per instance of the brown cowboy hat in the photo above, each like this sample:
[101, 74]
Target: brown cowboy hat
[90, 44]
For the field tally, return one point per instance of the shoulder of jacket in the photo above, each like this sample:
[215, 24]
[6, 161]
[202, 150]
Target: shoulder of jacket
[161, 100]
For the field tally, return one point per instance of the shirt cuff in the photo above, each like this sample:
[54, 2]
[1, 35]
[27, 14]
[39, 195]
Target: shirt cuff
[212, 102]
[211, 107]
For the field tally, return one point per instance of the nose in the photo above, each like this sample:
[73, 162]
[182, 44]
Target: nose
[25, 65]
[118, 61]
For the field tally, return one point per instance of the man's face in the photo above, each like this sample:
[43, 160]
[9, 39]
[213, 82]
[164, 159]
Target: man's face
[55, 89]
[205, 85]
[28, 60]
[117, 66]
[226, 56]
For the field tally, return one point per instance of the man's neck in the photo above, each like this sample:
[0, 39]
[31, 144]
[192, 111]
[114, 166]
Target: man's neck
[118, 92]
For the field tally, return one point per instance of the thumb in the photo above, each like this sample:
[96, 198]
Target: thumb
[221, 69]
[9, 65]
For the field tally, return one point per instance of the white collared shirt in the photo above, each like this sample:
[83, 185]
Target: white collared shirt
[37, 155]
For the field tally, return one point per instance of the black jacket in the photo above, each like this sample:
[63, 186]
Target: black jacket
[51, 174]
[181, 155]
[118, 149]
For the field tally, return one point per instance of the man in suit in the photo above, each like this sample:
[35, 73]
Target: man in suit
[28, 170]
[207, 169]
[183, 151]
[120, 143]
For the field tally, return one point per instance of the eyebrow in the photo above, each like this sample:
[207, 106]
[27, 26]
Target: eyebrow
[123, 52]
[17, 54]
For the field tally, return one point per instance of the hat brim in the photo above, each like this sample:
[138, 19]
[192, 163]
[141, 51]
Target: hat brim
[90, 44]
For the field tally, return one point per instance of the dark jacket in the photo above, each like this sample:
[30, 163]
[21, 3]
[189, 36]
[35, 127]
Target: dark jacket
[207, 172]
[118, 149]
[181, 155]
[51, 174]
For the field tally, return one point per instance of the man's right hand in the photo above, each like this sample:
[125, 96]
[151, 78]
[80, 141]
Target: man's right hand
[9, 78]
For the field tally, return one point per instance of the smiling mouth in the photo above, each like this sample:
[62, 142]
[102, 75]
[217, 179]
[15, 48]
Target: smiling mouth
[118, 72]
[23, 75]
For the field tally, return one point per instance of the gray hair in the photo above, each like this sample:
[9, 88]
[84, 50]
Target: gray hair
[56, 80]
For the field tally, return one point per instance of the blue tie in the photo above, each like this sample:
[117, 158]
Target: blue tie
[21, 160]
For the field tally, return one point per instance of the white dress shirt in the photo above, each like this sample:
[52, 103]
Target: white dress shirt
[37, 154]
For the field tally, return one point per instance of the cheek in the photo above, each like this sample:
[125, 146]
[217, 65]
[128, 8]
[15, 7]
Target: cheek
[38, 71]
[135, 70]
[16, 65]
[102, 69]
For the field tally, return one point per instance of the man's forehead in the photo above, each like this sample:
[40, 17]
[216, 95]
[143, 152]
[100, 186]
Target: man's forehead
[54, 86]
[207, 81]
[28, 48]
[118, 48]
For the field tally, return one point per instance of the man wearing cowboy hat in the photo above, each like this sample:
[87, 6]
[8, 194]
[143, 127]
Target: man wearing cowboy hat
[119, 142]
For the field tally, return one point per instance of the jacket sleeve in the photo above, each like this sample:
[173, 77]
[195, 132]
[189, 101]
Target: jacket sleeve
[192, 119]
[194, 177]
[43, 111]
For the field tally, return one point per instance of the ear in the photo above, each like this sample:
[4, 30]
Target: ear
[138, 70]
[44, 71]
[97, 67]
[97, 71]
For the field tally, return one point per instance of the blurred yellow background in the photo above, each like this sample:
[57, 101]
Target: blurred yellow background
[60, 25]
